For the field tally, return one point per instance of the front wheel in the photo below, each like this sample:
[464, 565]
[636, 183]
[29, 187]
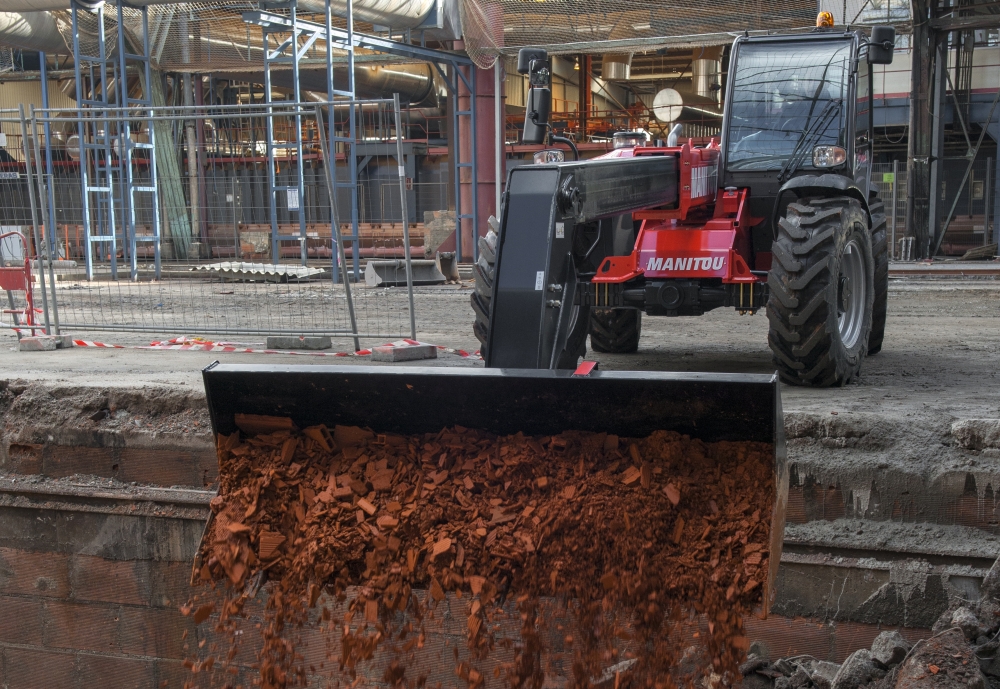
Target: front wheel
[615, 331]
[822, 291]
[880, 254]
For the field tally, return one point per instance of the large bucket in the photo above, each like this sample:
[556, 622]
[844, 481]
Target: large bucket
[412, 400]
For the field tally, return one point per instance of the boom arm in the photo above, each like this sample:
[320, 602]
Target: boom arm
[535, 285]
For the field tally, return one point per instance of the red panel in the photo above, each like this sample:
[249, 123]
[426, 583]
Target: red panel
[12, 279]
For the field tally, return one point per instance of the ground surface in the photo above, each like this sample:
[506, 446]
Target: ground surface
[940, 358]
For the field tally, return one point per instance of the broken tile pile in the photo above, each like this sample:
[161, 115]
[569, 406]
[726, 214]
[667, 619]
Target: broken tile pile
[645, 542]
[964, 651]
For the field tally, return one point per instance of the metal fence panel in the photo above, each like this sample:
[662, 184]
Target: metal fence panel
[221, 270]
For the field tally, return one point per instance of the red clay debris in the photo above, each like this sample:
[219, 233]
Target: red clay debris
[641, 543]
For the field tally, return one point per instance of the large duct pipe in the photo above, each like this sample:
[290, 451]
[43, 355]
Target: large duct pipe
[414, 83]
[706, 73]
[616, 66]
[396, 14]
[31, 31]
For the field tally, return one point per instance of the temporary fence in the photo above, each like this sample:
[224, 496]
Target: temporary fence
[216, 220]
[972, 224]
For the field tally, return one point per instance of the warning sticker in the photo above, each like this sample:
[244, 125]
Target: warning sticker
[539, 280]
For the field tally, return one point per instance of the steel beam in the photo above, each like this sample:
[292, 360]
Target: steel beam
[918, 180]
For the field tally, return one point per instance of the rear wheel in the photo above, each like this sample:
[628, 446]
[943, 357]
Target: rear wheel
[821, 292]
[615, 331]
[880, 254]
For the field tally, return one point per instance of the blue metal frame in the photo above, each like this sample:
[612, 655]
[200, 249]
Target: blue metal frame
[349, 141]
[128, 147]
[99, 69]
[287, 52]
[50, 207]
[348, 40]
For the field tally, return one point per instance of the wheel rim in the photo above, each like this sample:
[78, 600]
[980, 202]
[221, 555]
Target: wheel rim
[851, 294]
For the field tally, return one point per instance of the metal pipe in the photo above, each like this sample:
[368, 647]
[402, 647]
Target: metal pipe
[406, 222]
[31, 31]
[191, 138]
[34, 215]
[329, 167]
[48, 242]
[413, 82]
[399, 14]
[50, 218]
[498, 133]
[895, 191]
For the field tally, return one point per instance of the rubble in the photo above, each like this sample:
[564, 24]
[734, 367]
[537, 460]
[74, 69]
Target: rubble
[644, 543]
[963, 651]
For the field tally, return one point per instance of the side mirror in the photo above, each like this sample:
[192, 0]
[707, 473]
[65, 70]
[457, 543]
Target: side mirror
[880, 47]
[525, 56]
[536, 116]
[535, 63]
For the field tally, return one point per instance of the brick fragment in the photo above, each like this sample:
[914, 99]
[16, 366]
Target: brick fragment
[631, 475]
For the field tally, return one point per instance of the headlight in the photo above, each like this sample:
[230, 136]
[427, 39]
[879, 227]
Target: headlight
[552, 155]
[828, 156]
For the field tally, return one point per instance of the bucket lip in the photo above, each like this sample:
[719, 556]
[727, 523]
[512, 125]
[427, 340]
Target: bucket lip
[454, 371]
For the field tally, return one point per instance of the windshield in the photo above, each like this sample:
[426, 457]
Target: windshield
[787, 97]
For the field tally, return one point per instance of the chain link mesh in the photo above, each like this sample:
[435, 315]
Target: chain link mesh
[494, 27]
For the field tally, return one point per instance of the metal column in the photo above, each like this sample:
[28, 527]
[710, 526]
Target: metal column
[95, 143]
[129, 146]
[895, 196]
[454, 80]
[349, 141]
[288, 52]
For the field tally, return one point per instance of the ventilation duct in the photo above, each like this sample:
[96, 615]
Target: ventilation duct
[31, 31]
[616, 66]
[706, 73]
[396, 14]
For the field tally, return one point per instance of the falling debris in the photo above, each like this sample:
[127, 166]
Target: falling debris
[371, 538]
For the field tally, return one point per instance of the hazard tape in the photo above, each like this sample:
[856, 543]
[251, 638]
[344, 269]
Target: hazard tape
[88, 343]
[197, 344]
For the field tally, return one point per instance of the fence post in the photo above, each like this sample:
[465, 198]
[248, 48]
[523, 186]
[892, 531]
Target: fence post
[329, 160]
[895, 187]
[406, 222]
[34, 215]
[986, 202]
[51, 241]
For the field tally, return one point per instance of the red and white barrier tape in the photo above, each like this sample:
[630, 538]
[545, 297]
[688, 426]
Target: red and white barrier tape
[186, 344]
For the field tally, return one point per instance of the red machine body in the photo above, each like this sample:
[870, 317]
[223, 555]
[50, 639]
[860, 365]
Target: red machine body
[707, 235]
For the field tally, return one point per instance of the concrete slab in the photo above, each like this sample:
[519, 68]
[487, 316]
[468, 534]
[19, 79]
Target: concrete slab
[298, 342]
[37, 343]
[406, 352]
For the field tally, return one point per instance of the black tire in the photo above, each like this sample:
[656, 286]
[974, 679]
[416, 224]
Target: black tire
[482, 297]
[880, 253]
[615, 331]
[813, 280]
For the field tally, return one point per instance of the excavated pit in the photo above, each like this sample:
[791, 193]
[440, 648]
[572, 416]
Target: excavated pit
[104, 494]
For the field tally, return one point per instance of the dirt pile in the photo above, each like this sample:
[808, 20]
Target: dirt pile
[656, 548]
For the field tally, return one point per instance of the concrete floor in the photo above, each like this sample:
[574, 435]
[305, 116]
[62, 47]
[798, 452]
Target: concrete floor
[940, 357]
